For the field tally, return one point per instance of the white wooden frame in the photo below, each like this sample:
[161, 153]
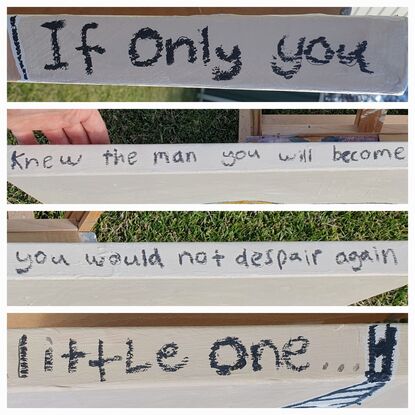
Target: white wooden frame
[239, 274]
[333, 365]
[209, 173]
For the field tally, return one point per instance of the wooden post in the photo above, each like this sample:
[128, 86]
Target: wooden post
[23, 227]
[85, 221]
[250, 123]
[369, 120]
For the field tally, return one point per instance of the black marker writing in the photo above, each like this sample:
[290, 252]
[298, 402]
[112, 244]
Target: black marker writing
[101, 361]
[177, 157]
[40, 258]
[328, 51]
[303, 156]
[22, 361]
[27, 260]
[205, 43]
[225, 369]
[231, 157]
[166, 352]
[234, 57]
[115, 157]
[23, 162]
[129, 367]
[383, 348]
[257, 351]
[69, 161]
[181, 41]
[356, 259]
[86, 49]
[354, 57]
[48, 362]
[280, 258]
[296, 59]
[17, 47]
[200, 258]
[116, 259]
[54, 27]
[73, 356]
[348, 156]
[145, 34]
[288, 353]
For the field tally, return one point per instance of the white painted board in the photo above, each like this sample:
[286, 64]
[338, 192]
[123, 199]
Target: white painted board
[297, 53]
[244, 395]
[301, 366]
[237, 273]
[206, 173]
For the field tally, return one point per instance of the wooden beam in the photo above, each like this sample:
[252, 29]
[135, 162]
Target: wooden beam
[188, 273]
[85, 221]
[388, 64]
[37, 320]
[215, 173]
[255, 394]
[324, 125]
[250, 123]
[370, 121]
[328, 378]
[41, 230]
[20, 215]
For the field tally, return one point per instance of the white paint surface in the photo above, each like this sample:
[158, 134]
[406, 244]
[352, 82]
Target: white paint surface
[197, 395]
[203, 173]
[244, 273]
[256, 36]
[336, 356]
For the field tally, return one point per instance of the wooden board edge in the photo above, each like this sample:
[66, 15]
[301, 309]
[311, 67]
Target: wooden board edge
[36, 320]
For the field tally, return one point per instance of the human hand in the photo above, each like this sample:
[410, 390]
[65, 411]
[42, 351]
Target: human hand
[59, 126]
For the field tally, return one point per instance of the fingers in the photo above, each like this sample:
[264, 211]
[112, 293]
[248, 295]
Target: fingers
[57, 136]
[96, 129]
[25, 138]
[60, 126]
[76, 134]
[42, 119]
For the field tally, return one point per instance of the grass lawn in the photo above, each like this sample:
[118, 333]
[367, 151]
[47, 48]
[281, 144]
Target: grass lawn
[72, 93]
[255, 226]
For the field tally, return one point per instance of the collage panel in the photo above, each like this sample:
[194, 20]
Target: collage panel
[208, 360]
[208, 258]
[251, 54]
[271, 240]
[208, 156]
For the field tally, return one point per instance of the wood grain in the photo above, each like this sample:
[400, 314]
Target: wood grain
[37, 320]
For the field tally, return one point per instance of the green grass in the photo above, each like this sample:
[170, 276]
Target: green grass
[171, 126]
[100, 93]
[255, 226]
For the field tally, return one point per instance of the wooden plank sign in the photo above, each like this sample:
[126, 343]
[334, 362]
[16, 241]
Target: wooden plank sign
[297, 53]
[205, 173]
[333, 365]
[244, 273]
